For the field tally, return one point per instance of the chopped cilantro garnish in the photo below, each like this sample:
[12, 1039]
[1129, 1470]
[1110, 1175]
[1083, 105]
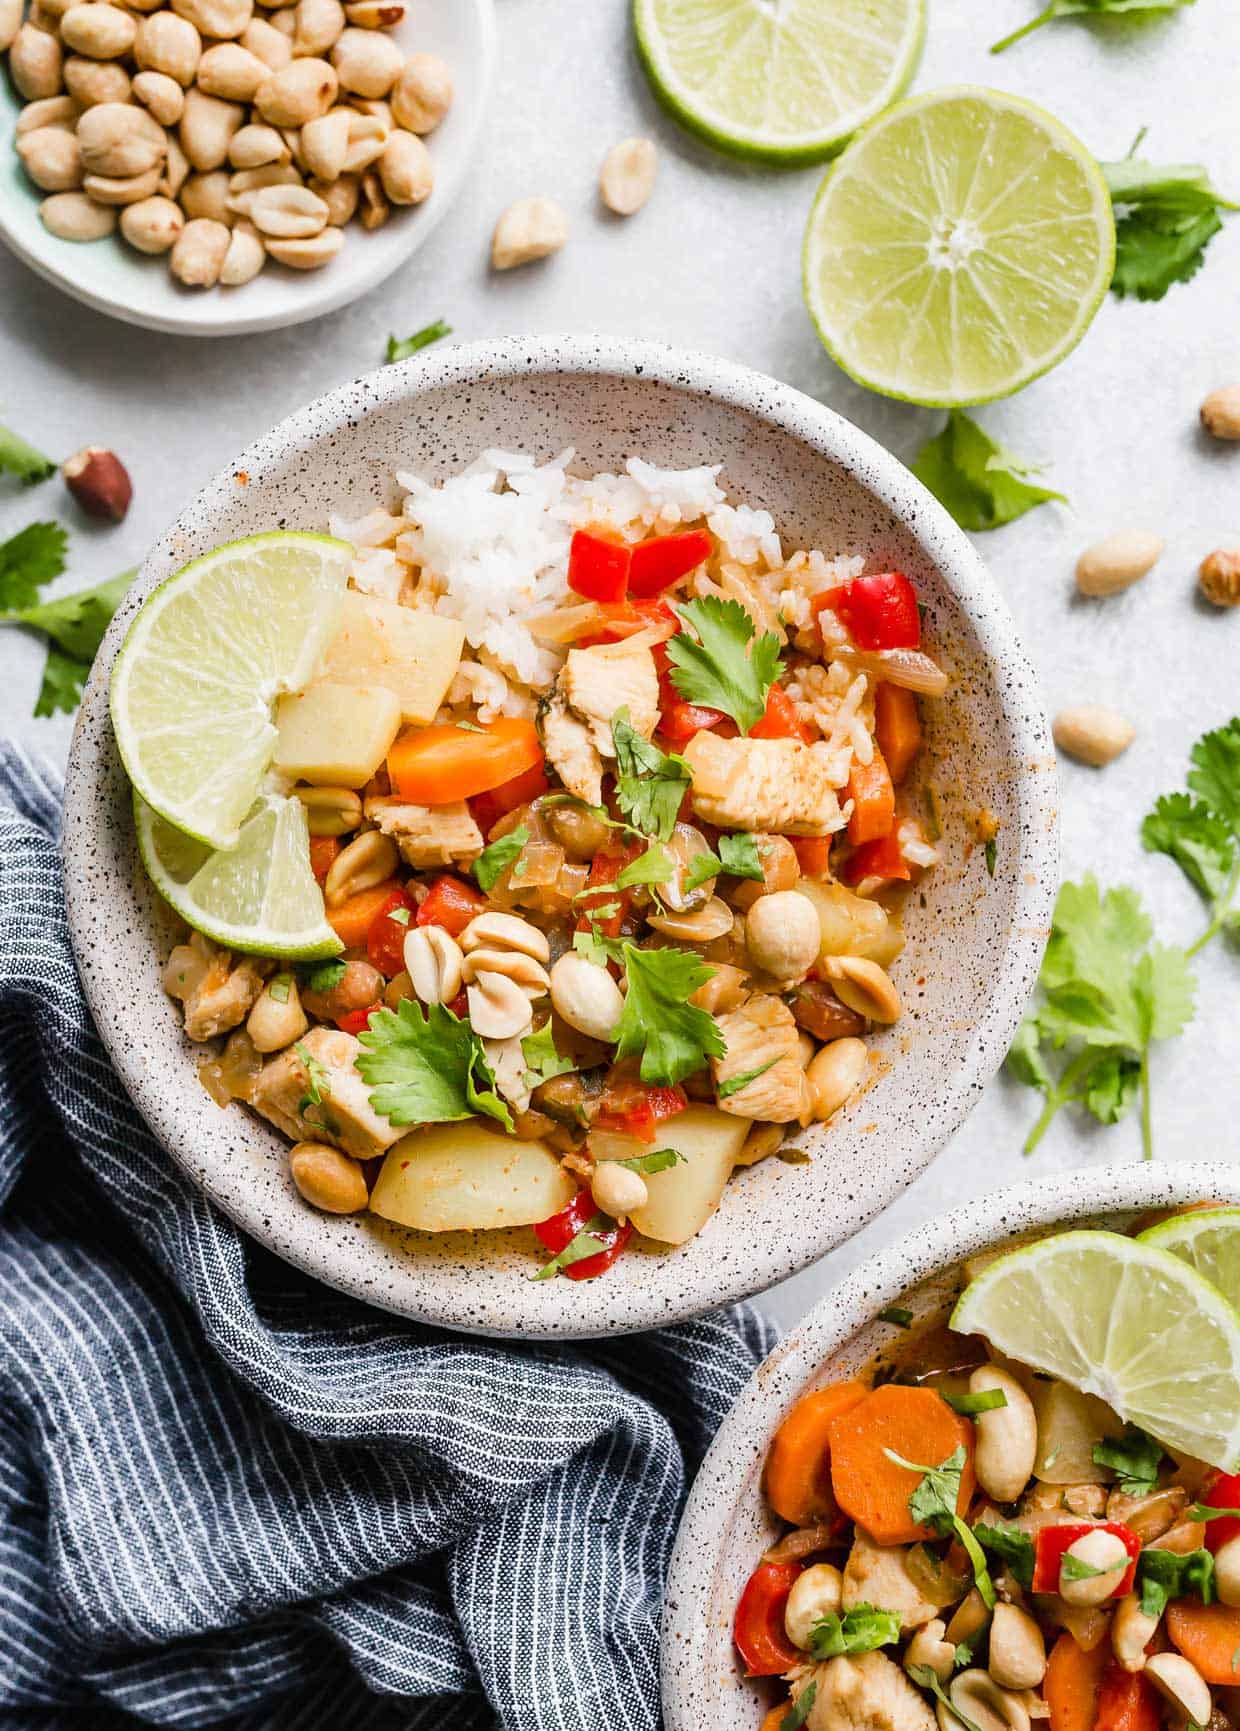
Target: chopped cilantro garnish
[969, 1405]
[662, 1160]
[738, 854]
[586, 1243]
[673, 1037]
[650, 784]
[1134, 1458]
[279, 986]
[860, 1629]
[897, 1315]
[933, 1504]
[1166, 1575]
[734, 1084]
[982, 484]
[1012, 1547]
[427, 1066]
[322, 976]
[545, 1062]
[400, 349]
[652, 867]
[493, 861]
[800, 1709]
[925, 1678]
[716, 661]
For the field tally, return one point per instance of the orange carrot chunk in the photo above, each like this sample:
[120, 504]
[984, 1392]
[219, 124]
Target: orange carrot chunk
[897, 727]
[913, 1423]
[1208, 1635]
[352, 920]
[798, 1467]
[874, 801]
[1127, 1701]
[1071, 1684]
[440, 765]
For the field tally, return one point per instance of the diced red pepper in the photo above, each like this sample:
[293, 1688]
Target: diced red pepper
[665, 559]
[357, 1021]
[451, 904]
[781, 720]
[385, 941]
[1052, 1542]
[598, 567]
[680, 721]
[630, 1108]
[460, 1006]
[813, 854]
[323, 850]
[605, 868]
[488, 808]
[759, 1630]
[1126, 1701]
[1222, 1491]
[878, 859]
[878, 612]
[560, 1230]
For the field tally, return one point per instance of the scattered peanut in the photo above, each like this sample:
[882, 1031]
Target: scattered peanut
[327, 1178]
[73, 216]
[405, 169]
[835, 1073]
[52, 158]
[1219, 578]
[530, 229]
[1220, 412]
[627, 177]
[422, 94]
[1092, 733]
[617, 1190]
[1121, 559]
[198, 256]
[310, 254]
[245, 257]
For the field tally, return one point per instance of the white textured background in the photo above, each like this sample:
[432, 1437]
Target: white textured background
[713, 263]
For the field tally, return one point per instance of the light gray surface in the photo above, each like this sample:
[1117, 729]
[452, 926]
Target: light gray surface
[713, 263]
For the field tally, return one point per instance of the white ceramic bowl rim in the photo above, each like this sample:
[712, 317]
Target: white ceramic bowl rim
[742, 1439]
[1031, 862]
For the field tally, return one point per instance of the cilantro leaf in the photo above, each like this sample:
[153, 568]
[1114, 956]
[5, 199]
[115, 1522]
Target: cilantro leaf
[77, 622]
[650, 784]
[673, 1036]
[969, 1405]
[28, 560]
[738, 854]
[981, 483]
[652, 867]
[587, 1242]
[1106, 995]
[1012, 1547]
[540, 1053]
[1084, 9]
[493, 861]
[897, 1315]
[662, 1160]
[734, 1084]
[596, 946]
[716, 665]
[933, 1504]
[400, 349]
[1166, 1575]
[17, 457]
[925, 1678]
[1165, 217]
[860, 1629]
[1200, 830]
[1135, 1459]
[425, 1066]
[322, 976]
[800, 1709]
[63, 679]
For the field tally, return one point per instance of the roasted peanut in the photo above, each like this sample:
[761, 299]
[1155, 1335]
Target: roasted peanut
[864, 987]
[256, 146]
[585, 996]
[422, 94]
[208, 126]
[981, 1701]
[52, 158]
[176, 169]
[1227, 1571]
[1092, 733]
[316, 25]
[51, 111]
[1132, 1630]
[328, 1179]
[368, 134]
[375, 14]
[498, 1008]
[434, 963]
[834, 1075]
[330, 810]
[122, 189]
[406, 169]
[231, 71]
[1118, 561]
[1017, 1655]
[217, 19]
[762, 1141]
[300, 92]
[782, 935]
[375, 207]
[309, 254]
[117, 138]
[198, 256]
[1220, 412]
[245, 257]
[366, 861]
[92, 81]
[1179, 1681]
[10, 22]
[359, 986]
[205, 196]
[617, 1190]
[1007, 1436]
[73, 216]
[367, 63]
[272, 46]
[816, 1593]
[627, 177]
[340, 196]
[532, 228]
[700, 926]
[153, 224]
[162, 96]
[287, 212]
[1098, 1551]
[166, 43]
[928, 1647]
[277, 1018]
[325, 142]
[99, 31]
[36, 61]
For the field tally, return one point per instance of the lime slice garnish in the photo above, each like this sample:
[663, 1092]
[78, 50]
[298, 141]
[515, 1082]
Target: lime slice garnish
[258, 896]
[209, 652]
[1123, 1320]
[781, 80]
[1208, 1239]
[959, 247]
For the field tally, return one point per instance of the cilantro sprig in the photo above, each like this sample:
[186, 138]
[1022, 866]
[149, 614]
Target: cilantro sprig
[1107, 993]
[738, 854]
[933, 1504]
[982, 484]
[860, 1629]
[73, 624]
[650, 784]
[1013, 1548]
[800, 1709]
[1165, 217]
[926, 1678]
[19, 458]
[1166, 1575]
[1084, 9]
[495, 859]
[1200, 830]
[673, 1037]
[717, 661]
[427, 1066]
[400, 348]
[543, 1057]
[1135, 1459]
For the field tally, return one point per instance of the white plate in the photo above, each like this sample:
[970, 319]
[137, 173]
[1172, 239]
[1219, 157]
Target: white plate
[111, 277]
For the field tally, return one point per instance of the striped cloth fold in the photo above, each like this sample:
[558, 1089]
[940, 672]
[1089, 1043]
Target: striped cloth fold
[229, 1495]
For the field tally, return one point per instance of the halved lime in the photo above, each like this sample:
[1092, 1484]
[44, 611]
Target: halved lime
[781, 80]
[258, 896]
[204, 661]
[959, 247]
[1123, 1320]
[1208, 1239]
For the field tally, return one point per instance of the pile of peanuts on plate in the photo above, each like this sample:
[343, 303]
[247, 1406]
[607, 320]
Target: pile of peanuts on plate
[220, 132]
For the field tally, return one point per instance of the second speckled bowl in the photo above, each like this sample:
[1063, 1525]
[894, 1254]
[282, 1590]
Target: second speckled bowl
[975, 940]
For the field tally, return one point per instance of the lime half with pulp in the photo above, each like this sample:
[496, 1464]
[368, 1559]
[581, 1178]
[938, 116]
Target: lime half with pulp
[959, 247]
[1208, 1239]
[1123, 1320]
[203, 663]
[779, 80]
[259, 896]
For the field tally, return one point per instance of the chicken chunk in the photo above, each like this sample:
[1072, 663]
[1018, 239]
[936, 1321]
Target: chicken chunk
[869, 1693]
[343, 1115]
[597, 682]
[762, 1035]
[778, 785]
[428, 835]
[572, 753]
[216, 994]
[876, 1575]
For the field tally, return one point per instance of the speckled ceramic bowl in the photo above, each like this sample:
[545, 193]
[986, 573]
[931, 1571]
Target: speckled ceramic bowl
[727, 1525]
[974, 940]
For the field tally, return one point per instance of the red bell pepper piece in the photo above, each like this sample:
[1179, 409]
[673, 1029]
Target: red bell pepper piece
[813, 854]
[1052, 1542]
[451, 904]
[385, 940]
[488, 808]
[878, 612]
[878, 859]
[357, 1021]
[323, 850]
[605, 868]
[759, 1628]
[460, 1006]
[562, 1228]
[1127, 1701]
[632, 1109]
[664, 559]
[680, 721]
[598, 567]
[780, 720]
[1221, 1491]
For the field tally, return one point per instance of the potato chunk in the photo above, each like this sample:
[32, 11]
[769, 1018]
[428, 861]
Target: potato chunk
[409, 651]
[464, 1177]
[336, 735]
[682, 1199]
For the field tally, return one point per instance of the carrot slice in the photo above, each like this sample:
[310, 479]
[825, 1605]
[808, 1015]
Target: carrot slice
[1127, 1701]
[353, 919]
[798, 1467]
[1073, 1678]
[897, 727]
[775, 1718]
[1208, 1635]
[439, 765]
[913, 1423]
[874, 800]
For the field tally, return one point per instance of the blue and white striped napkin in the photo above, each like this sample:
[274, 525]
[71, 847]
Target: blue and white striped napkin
[230, 1496]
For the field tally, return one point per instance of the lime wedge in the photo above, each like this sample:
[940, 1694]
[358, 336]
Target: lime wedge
[779, 80]
[209, 652]
[258, 896]
[1208, 1239]
[959, 247]
[1123, 1320]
